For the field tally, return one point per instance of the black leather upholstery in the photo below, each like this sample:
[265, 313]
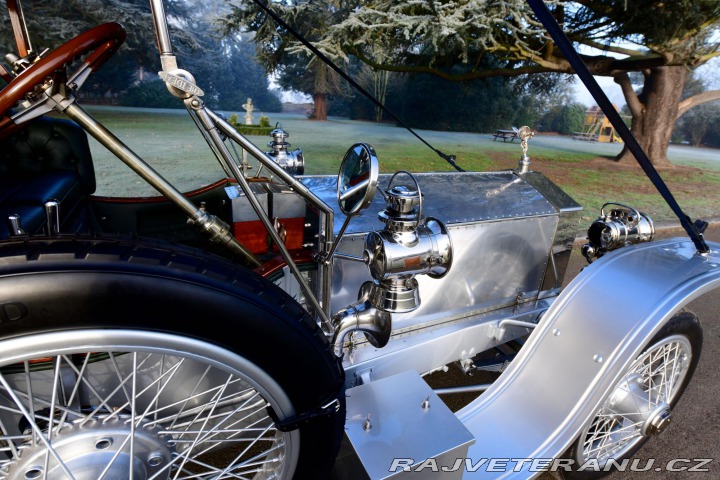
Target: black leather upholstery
[50, 158]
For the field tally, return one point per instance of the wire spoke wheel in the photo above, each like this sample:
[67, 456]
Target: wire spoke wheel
[640, 405]
[137, 360]
[179, 409]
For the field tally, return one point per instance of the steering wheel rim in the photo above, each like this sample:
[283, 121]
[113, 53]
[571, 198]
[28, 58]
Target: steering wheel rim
[103, 41]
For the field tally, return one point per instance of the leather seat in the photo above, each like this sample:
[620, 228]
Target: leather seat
[49, 159]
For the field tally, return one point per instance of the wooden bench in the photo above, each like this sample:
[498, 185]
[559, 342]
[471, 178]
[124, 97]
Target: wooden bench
[505, 134]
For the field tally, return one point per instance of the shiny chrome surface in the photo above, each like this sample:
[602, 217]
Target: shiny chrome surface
[403, 211]
[525, 134]
[404, 249]
[16, 227]
[620, 227]
[292, 161]
[428, 250]
[52, 216]
[652, 282]
[136, 404]
[161, 29]
[357, 180]
[402, 199]
[364, 317]
[495, 264]
[639, 405]
[396, 295]
[505, 228]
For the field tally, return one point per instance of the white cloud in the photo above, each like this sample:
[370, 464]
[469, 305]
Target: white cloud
[608, 85]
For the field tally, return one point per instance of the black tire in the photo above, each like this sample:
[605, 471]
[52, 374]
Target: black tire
[682, 335]
[87, 301]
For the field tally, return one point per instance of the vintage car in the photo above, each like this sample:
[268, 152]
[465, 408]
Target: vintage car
[249, 328]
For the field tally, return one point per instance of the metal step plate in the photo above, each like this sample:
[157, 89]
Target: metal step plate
[399, 428]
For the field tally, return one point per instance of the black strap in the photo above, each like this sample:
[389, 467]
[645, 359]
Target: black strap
[448, 158]
[329, 408]
[552, 27]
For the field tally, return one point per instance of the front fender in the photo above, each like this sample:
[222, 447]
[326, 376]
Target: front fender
[583, 345]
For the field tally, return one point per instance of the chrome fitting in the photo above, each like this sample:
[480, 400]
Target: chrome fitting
[181, 84]
[52, 217]
[620, 227]
[363, 316]
[427, 250]
[16, 228]
[408, 246]
[292, 162]
[524, 134]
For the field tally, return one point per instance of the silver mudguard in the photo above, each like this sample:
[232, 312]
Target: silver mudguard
[585, 342]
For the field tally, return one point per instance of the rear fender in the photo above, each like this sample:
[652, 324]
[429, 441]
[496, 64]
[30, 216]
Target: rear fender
[584, 343]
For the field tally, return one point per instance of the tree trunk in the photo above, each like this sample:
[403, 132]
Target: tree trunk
[320, 111]
[654, 111]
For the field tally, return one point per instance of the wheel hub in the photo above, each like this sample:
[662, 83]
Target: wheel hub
[658, 420]
[89, 449]
[633, 402]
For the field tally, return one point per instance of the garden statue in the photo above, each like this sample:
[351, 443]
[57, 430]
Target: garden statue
[249, 107]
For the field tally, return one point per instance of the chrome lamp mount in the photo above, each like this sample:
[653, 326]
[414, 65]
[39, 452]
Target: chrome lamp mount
[408, 246]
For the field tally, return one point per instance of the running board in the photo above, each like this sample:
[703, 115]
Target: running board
[393, 426]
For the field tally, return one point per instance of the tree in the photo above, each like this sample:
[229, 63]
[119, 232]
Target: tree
[437, 36]
[565, 119]
[294, 66]
[52, 22]
[698, 122]
[225, 68]
[695, 124]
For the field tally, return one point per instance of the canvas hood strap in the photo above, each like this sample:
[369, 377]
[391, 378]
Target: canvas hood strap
[694, 230]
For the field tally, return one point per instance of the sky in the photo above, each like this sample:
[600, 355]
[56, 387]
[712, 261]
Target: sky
[611, 89]
[710, 71]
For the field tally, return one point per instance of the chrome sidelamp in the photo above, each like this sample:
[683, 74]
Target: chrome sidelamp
[292, 161]
[408, 246]
[620, 227]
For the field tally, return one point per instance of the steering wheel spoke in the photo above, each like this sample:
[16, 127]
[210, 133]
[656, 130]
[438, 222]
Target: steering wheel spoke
[55, 95]
[94, 47]
[77, 79]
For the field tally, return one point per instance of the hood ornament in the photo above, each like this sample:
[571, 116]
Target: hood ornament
[524, 134]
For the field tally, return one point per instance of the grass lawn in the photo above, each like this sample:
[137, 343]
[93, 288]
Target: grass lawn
[170, 142]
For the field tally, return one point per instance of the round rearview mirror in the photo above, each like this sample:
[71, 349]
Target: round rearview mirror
[358, 178]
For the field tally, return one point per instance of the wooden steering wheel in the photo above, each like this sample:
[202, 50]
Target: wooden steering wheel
[100, 43]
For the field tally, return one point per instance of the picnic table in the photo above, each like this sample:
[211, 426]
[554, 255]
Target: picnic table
[505, 134]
